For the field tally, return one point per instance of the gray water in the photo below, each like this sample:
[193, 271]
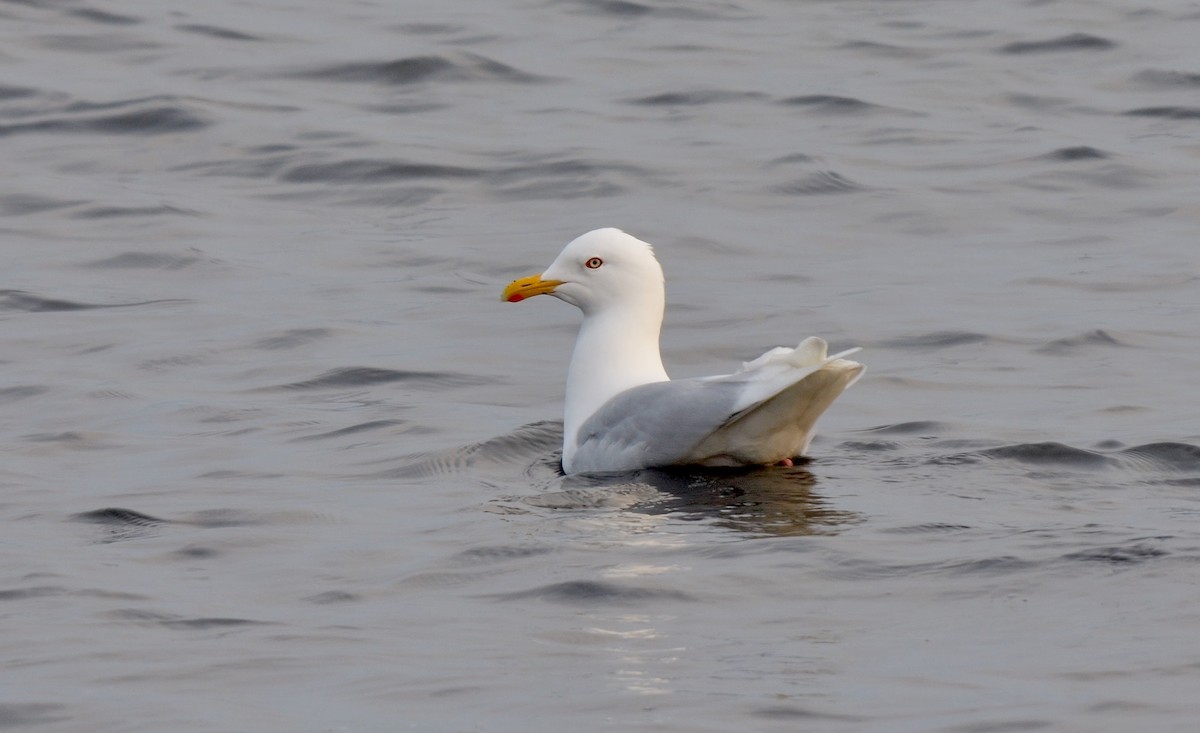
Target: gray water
[276, 458]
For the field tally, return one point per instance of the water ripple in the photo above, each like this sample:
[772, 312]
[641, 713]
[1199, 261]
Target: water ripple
[461, 66]
[1076, 152]
[1166, 113]
[365, 376]
[831, 104]
[213, 31]
[937, 340]
[1071, 345]
[150, 121]
[593, 592]
[1167, 79]
[819, 183]
[696, 98]
[1070, 42]
[19, 300]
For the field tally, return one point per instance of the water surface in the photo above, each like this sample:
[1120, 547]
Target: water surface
[276, 457]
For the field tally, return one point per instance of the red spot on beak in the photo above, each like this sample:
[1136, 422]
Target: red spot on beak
[516, 298]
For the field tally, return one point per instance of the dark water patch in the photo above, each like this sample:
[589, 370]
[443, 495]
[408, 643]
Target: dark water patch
[695, 98]
[870, 446]
[791, 158]
[592, 593]
[797, 714]
[1119, 555]
[121, 525]
[819, 184]
[1176, 456]
[22, 714]
[21, 594]
[1167, 79]
[19, 300]
[414, 69]
[179, 622]
[1041, 102]
[293, 338]
[113, 212]
[1069, 42]
[883, 50]
[195, 552]
[332, 596]
[103, 16]
[628, 9]
[20, 392]
[937, 340]
[1154, 283]
[352, 429]
[21, 204]
[367, 171]
[145, 261]
[367, 376]
[925, 427]
[1166, 113]
[1179, 481]
[1098, 337]
[212, 31]
[830, 103]
[119, 517]
[1076, 152]
[10, 92]
[152, 121]
[1049, 453]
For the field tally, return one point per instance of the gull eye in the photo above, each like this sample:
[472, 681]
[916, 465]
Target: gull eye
[593, 263]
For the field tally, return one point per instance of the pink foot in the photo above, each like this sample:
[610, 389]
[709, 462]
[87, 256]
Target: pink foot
[786, 462]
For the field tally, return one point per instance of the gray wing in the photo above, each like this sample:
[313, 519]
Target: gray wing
[655, 424]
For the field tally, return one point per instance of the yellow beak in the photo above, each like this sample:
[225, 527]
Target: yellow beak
[527, 287]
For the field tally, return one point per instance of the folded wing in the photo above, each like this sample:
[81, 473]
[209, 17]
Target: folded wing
[759, 415]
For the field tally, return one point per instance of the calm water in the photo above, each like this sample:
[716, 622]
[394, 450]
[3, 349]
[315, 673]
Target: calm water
[276, 458]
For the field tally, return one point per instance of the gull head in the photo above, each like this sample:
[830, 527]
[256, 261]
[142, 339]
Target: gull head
[598, 271]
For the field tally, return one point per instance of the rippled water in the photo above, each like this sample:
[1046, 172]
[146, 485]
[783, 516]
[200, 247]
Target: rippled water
[276, 458]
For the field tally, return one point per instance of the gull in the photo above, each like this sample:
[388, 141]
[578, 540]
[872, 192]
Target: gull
[623, 413]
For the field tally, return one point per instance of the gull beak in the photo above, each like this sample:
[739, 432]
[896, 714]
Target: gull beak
[527, 287]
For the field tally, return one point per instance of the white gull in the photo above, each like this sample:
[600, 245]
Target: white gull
[624, 413]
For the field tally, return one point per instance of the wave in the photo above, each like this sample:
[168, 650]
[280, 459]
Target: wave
[457, 67]
[1069, 42]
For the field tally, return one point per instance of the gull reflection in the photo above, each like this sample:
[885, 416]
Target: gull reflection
[773, 501]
